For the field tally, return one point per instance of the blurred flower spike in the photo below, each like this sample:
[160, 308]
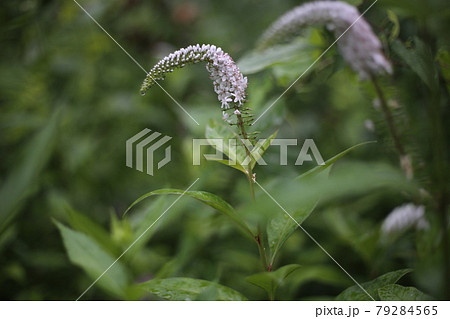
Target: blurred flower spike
[359, 45]
[403, 218]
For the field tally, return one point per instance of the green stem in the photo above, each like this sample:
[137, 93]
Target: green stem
[258, 238]
[250, 182]
[443, 207]
[405, 160]
[440, 173]
[262, 251]
[240, 123]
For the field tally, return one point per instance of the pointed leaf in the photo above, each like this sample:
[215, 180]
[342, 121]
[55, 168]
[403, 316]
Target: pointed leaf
[189, 289]
[400, 293]
[258, 153]
[121, 232]
[228, 163]
[86, 253]
[280, 228]
[257, 61]
[396, 25]
[270, 281]
[140, 222]
[332, 160]
[19, 183]
[86, 225]
[207, 198]
[420, 60]
[236, 154]
[355, 293]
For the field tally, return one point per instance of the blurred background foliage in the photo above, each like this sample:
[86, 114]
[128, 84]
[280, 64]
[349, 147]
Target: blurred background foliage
[70, 99]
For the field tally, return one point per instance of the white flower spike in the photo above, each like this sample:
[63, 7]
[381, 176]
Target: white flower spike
[359, 45]
[229, 83]
[404, 217]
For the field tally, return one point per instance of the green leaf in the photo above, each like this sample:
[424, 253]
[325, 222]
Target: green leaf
[280, 228]
[189, 289]
[396, 28]
[331, 161]
[86, 253]
[228, 163]
[443, 58]
[400, 293]
[22, 181]
[297, 50]
[270, 281]
[352, 179]
[355, 293]
[86, 225]
[141, 220]
[207, 198]
[121, 232]
[257, 153]
[328, 274]
[236, 154]
[354, 2]
[420, 60]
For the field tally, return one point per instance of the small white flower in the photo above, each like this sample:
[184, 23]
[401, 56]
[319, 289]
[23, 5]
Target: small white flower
[226, 117]
[370, 126]
[229, 83]
[404, 217]
[376, 103]
[237, 112]
[359, 45]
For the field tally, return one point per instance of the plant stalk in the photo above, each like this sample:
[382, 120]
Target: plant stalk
[240, 123]
[262, 251]
[440, 175]
[405, 160]
[250, 177]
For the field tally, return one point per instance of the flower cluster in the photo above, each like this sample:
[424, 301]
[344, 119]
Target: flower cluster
[359, 45]
[229, 83]
[404, 217]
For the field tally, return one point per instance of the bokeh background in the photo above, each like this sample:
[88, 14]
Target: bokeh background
[70, 99]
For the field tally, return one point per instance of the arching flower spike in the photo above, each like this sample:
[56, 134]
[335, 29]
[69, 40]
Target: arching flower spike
[229, 83]
[359, 45]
